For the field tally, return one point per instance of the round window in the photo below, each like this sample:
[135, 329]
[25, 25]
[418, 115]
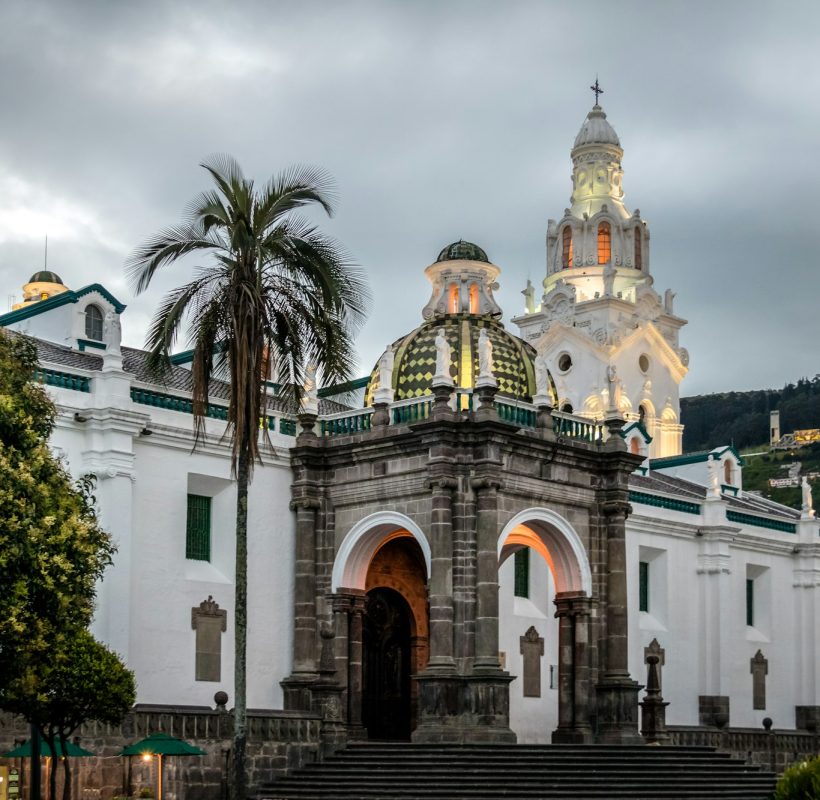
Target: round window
[643, 363]
[564, 362]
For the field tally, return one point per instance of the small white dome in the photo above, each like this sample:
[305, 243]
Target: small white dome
[596, 130]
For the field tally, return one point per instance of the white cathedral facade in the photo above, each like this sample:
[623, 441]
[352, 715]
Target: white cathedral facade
[722, 585]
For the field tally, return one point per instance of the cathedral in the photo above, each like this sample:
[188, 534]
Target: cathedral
[497, 542]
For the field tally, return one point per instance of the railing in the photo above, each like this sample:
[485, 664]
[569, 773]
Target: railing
[412, 410]
[171, 402]
[664, 502]
[761, 522]
[516, 413]
[580, 428]
[63, 380]
[346, 422]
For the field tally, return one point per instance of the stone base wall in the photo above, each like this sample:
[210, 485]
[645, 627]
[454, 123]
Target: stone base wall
[277, 742]
[775, 750]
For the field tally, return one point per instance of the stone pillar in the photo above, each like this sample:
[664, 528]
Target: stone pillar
[573, 610]
[486, 389]
[355, 665]
[304, 608]
[806, 580]
[653, 707]
[617, 693]
[486, 651]
[441, 576]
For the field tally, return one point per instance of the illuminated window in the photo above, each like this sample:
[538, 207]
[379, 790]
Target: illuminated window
[634, 446]
[566, 251]
[44, 295]
[474, 298]
[452, 299]
[638, 250]
[522, 572]
[604, 243]
[94, 323]
[728, 473]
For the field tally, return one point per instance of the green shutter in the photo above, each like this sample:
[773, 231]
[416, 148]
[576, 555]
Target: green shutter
[198, 528]
[750, 601]
[643, 602]
[522, 572]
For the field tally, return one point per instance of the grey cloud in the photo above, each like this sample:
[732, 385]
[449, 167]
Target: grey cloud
[440, 120]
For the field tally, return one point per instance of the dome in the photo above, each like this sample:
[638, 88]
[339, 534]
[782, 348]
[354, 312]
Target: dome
[46, 276]
[596, 130]
[415, 359]
[463, 251]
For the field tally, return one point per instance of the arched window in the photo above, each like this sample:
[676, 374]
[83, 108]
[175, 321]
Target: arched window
[567, 408]
[638, 250]
[634, 446]
[728, 472]
[642, 415]
[604, 243]
[94, 323]
[566, 248]
[474, 298]
[453, 299]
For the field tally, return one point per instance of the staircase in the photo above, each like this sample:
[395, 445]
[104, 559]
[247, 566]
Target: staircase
[403, 771]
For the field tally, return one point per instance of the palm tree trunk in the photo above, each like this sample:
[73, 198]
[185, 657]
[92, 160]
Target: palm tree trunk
[52, 764]
[241, 622]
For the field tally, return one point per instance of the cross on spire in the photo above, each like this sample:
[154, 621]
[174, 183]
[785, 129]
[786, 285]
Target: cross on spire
[597, 89]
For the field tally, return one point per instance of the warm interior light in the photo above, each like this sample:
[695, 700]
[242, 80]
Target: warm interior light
[146, 756]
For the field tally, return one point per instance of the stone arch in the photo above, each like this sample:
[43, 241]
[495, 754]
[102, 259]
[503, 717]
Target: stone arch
[558, 543]
[363, 540]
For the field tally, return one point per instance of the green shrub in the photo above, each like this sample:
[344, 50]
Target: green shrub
[146, 791]
[800, 781]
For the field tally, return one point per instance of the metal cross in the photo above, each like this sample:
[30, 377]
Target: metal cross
[597, 89]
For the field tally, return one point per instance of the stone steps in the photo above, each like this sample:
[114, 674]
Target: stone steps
[404, 771]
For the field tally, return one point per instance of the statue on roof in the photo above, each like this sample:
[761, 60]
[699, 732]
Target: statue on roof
[808, 502]
[443, 356]
[485, 355]
[310, 397]
[529, 297]
[714, 477]
[112, 332]
[386, 368]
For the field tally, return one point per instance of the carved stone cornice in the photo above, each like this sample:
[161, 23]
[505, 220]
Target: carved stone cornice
[612, 508]
[305, 502]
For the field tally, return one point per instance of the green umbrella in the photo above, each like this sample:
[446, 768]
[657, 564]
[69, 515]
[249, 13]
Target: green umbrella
[159, 745]
[24, 750]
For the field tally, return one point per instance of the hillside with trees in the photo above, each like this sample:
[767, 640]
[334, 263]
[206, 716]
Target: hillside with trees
[742, 418]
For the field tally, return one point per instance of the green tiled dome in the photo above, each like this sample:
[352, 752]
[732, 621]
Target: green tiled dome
[463, 251]
[415, 359]
[45, 276]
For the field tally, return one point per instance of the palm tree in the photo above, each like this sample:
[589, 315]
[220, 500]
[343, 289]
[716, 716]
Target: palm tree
[272, 296]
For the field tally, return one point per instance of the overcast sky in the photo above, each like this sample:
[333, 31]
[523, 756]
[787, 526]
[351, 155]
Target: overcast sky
[439, 120]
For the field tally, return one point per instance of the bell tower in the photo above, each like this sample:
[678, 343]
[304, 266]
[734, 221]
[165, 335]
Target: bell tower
[599, 316]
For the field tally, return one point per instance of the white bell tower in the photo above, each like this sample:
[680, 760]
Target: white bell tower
[599, 308]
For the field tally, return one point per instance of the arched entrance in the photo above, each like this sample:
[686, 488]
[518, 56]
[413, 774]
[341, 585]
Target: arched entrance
[384, 562]
[543, 563]
[386, 701]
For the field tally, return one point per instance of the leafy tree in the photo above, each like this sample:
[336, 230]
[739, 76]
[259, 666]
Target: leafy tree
[83, 681]
[801, 781]
[273, 296]
[52, 550]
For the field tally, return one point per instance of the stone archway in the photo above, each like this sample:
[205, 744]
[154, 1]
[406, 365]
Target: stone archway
[379, 582]
[558, 544]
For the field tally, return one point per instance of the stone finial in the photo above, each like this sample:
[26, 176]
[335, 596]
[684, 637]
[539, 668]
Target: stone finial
[221, 701]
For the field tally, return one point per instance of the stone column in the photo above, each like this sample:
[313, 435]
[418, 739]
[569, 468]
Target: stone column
[304, 610]
[441, 576]
[617, 693]
[573, 610]
[355, 662]
[486, 651]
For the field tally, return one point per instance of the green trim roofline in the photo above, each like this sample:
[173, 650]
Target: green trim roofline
[344, 388]
[62, 299]
[639, 425]
[694, 458]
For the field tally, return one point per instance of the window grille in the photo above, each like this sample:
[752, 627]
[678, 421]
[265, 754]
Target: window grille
[94, 323]
[522, 572]
[643, 603]
[750, 601]
[198, 529]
